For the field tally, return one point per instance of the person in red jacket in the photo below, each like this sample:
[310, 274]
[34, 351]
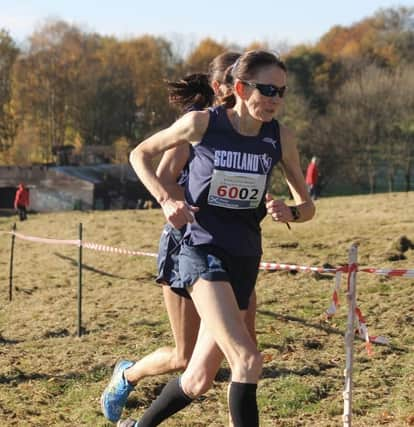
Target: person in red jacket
[21, 201]
[312, 174]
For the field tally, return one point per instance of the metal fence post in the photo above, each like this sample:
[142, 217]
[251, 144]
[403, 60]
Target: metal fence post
[11, 263]
[79, 323]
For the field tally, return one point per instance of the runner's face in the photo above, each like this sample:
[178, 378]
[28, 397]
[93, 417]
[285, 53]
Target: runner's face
[262, 107]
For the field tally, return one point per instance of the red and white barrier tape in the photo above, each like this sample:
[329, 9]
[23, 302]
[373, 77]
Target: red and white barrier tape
[268, 266]
[363, 333]
[87, 245]
[46, 240]
[362, 328]
[399, 272]
[333, 308]
[293, 267]
[105, 248]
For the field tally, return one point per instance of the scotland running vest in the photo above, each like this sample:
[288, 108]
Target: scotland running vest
[228, 179]
[183, 177]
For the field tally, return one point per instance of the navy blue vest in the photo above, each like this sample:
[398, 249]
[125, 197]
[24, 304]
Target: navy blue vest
[227, 180]
[182, 178]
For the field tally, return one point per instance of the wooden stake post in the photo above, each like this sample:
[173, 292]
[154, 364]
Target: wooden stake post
[349, 335]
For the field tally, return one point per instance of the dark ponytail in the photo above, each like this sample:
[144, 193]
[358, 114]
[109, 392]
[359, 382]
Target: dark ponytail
[193, 92]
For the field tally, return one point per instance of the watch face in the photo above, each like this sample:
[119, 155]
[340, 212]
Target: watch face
[295, 212]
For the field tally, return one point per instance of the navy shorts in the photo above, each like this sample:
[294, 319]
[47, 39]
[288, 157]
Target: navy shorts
[167, 260]
[215, 264]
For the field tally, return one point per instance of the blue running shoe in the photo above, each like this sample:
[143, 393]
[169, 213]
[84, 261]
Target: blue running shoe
[116, 393]
[129, 422]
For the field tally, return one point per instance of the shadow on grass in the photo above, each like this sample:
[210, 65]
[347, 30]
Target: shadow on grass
[18, 376]
[103, 372]
[151, 392]
[8, 213]
[326, 328]
[224, 374]
[6, 341]
[284, 317]
[74, 263]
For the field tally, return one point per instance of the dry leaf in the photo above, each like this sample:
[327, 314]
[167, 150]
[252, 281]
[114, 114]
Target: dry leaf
[267, 357]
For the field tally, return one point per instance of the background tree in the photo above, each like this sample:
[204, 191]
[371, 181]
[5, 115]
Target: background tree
[356, 136]
[407, 151]
[349, 100]
[152, 63]
[203, 54]
[8, 55]
[315, 75]
[104, 106]
[43, 85]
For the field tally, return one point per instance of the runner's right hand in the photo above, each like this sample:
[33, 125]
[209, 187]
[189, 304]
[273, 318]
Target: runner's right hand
[178, 213]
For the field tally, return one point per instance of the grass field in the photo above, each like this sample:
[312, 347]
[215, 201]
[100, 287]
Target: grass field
[49, 377]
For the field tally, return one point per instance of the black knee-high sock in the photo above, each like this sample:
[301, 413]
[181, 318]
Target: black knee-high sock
[171, 400]
[243, 405]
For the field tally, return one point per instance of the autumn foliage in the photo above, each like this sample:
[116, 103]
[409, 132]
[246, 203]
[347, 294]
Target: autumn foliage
[68, 87]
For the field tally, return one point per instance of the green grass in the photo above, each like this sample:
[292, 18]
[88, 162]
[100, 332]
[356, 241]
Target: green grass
[49, 377]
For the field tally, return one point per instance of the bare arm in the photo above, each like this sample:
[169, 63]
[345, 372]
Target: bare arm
[188, 129]
[172, 163]
[296, 182]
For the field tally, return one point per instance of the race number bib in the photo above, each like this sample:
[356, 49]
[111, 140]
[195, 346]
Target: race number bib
[234, 190]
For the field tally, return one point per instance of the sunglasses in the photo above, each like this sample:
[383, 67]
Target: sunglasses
[267, 90]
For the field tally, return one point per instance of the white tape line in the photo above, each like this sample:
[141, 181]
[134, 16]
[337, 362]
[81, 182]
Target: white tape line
[389, 272]
[122, 251]
[335, 295]
[46, 240]
[269, 266]
[290, 267]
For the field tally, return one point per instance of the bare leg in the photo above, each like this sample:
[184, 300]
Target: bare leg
[200, 373]
[236, 339]
[184, 322]
[217, 306]
[204, 364]
[250, 319]
[208, 357]
[222, 328]
[203, 367]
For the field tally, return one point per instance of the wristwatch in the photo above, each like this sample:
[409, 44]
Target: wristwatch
[295, 212]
